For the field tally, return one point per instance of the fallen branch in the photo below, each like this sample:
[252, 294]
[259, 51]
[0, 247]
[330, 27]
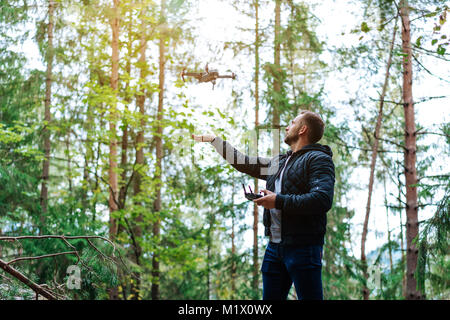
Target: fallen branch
[32, 285]
[40, 289]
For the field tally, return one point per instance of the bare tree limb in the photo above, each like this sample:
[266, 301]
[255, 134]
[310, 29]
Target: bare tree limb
[435, 133]
[57, 237]
[425, 99]
[42, 257]
[29, 283]
[41, 289]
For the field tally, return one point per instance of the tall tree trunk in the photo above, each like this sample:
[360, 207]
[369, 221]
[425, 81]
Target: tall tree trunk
[124, 162]
[391, 264]
[88, 154]
[373, 164]
[412, 223]
[113, 182]
[140, 159]
[291, 63]
[402, 242]
[276, 80]
[159, 154]
[85, 185]
[97, 180]
[255, 282]
[124, 149]
[208, 258]
[233, 259]
[69, 170]
[47, 116]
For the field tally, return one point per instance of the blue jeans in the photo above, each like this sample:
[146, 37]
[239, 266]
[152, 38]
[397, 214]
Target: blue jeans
[283, 265]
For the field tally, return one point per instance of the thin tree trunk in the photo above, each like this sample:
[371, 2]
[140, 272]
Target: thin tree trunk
[208, 261]
[96, 156]
[402, 243]
[391, 265]
[124, 280]
[291, 64]
[412, 223]
[233, 259]
[47, 116]
[276, 80]
[88, 155]
[113, 182]
[255, 282]
[373, 164]
[159, 155]
[69, 171]
[123, 164]
[140, 159]
[97, 182]
[125, 128]
[85, 185]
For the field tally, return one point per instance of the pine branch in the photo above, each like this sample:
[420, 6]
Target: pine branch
[428, 71]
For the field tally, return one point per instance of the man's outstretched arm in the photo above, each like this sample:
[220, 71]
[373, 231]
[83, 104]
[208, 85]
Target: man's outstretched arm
[253, 166]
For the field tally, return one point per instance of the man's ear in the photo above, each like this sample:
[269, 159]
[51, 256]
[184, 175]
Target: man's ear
[303, 130]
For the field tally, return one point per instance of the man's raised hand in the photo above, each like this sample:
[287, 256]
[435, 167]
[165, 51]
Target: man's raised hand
[203, 138]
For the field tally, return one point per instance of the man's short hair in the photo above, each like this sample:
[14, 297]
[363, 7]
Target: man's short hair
[315, 125]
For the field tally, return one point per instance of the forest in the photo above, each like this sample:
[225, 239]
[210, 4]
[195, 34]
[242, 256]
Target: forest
[104, 195]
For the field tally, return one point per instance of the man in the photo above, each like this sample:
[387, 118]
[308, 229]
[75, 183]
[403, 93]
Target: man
[298, 194]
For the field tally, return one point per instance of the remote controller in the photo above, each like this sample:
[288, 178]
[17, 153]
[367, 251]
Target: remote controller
[250, 195]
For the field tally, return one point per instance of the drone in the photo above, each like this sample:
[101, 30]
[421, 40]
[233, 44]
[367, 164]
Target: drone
[207, 76]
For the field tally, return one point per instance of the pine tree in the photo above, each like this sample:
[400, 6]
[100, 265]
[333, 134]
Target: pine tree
[114, 83]
[412, 222]
[47, 116]
[255, 282]
[159, 152]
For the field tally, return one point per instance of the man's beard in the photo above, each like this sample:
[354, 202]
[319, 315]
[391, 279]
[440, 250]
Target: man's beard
[290, 139]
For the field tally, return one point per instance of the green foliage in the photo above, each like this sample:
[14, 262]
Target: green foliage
[433, 243]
